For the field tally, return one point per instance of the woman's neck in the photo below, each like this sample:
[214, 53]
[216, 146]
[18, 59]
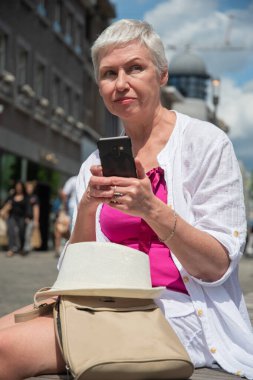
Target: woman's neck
[148, 139]
[143, 132]
[142, 126]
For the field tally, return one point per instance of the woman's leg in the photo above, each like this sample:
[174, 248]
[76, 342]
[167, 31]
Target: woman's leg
[12, 236]
[57, 241]
[28, 348]
[21, 232]
[28, 236]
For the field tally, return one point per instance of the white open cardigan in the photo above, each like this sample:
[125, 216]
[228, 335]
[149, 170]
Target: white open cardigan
[205, 188]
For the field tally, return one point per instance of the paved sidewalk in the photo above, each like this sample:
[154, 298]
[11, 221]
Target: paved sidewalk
[21, 276]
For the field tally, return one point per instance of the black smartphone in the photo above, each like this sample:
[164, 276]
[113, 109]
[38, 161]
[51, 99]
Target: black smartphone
[116, 156]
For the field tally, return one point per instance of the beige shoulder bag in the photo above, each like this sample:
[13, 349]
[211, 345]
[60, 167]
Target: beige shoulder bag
[106, 338]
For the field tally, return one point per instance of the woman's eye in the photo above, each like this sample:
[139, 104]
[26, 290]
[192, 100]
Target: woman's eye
[135, 68]
[109, 74]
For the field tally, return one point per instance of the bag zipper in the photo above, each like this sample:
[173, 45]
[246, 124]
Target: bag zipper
[68, 372]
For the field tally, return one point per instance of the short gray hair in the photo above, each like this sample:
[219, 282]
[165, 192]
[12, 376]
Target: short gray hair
[122, 32]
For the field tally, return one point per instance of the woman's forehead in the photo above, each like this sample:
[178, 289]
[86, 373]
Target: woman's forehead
[131, 49]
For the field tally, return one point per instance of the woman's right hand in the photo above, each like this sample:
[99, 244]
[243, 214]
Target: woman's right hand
[4, 212]
[133, 196]
[97, 191]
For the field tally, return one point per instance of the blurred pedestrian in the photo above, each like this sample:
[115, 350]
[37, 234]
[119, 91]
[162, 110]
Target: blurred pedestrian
[4, 213]
[61, 231]
[249, 244]
[69, 196]
[56, 205]
[16, 205]
[32, 214]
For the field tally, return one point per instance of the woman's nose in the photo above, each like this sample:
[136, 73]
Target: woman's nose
[122, 81]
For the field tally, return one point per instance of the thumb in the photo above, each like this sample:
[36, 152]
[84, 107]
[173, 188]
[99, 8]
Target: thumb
[139, 169]
[96, 170]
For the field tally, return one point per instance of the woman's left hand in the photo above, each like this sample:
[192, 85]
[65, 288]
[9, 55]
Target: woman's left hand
[133, 196]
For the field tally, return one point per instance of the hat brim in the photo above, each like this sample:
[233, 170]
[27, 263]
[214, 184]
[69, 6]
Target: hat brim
[109, 292]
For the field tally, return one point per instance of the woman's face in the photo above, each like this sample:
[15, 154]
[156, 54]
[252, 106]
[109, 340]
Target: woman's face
[129, 81]
[29, 188]
[19, 188]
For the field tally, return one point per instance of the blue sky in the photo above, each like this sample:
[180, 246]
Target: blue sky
[137, 8]
[209, 23]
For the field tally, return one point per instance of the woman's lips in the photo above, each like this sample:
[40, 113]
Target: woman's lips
[124, 100]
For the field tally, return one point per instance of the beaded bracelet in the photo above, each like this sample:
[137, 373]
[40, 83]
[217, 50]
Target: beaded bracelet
[173, 229]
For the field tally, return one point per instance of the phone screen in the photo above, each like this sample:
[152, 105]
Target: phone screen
[116, 157]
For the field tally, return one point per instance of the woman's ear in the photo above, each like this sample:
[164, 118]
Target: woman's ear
[164, 78]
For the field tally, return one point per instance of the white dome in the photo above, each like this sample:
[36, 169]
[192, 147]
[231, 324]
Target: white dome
[187, 63]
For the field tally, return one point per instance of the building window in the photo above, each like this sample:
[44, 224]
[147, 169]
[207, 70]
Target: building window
[40, 78]
[56, 91]
[67, 100]
[77, 107]
[42, 8]
[69, 29]
[22, 67]
[57, 25]
[10, 170]
[79, 39]
[3, 51]
[88, 26]
[189, 86]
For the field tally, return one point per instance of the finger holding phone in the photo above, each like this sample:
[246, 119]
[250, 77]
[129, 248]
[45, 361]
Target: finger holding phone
[133, 196]
[116, 160]
[130, 195]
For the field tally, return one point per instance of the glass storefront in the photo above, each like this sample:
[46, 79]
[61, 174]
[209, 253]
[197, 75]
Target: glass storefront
[13, 168]
[48, 180]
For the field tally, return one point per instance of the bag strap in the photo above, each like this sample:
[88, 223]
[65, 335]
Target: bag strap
[37, 311]
[36, 295]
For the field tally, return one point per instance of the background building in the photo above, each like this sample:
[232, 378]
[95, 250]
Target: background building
[50, 111]
[187, 88]
[51, 114]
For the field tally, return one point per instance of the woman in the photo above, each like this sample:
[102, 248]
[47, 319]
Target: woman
[194, 245]
[32, 215]
[17, 205]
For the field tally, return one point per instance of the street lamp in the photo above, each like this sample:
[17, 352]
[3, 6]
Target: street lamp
[216, 96]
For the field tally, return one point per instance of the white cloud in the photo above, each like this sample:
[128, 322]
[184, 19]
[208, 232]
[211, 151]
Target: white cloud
[201, 24]
[248, 87]
[236, 109]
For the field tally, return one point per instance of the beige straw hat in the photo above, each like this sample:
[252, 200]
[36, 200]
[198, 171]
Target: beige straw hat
[103, 269]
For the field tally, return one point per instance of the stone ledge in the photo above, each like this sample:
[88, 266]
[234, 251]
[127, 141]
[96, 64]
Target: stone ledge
[199, 374]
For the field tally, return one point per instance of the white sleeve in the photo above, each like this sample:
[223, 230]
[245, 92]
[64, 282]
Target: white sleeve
[213, 186]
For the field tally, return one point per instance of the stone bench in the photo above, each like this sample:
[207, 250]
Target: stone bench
[199, 374]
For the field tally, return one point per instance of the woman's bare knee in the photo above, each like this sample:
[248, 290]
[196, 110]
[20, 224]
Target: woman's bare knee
[28, 349]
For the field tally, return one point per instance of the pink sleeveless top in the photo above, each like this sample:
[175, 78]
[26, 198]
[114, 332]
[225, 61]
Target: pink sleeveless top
[135, 233]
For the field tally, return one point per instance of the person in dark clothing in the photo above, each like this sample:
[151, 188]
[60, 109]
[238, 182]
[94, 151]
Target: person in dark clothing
[32, 214]
[17, 204]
